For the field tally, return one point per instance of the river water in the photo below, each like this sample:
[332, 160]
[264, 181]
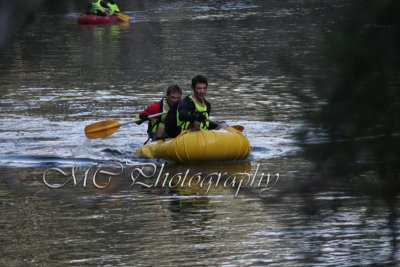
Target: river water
[58, 76]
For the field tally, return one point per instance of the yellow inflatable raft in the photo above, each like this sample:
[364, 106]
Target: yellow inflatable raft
[200, 146]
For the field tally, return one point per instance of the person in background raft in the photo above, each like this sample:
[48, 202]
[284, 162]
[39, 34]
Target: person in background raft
[193, 111]
[156, 128]
[103, 8]
[114, 9]
[98, 8]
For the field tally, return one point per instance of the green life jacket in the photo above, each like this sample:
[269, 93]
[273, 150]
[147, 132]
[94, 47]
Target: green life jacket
[97, 7]
[205, 125]
[154, 123]
[113, 8]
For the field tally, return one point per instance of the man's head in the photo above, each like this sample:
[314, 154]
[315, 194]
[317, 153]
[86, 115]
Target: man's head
[174, 94]
[199, 87]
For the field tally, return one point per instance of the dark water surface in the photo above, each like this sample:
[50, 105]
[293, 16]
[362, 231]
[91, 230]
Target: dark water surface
[58, 76]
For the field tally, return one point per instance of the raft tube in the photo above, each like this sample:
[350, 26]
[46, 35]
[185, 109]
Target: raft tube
[94, 19]
[200, 146]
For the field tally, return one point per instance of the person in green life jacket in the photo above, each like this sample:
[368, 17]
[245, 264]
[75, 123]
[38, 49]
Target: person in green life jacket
[156, 127]
[114, 9]
[98, 8]
[104, 8]
[194, 110]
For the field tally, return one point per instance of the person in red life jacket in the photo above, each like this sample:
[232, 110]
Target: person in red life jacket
[156, 127]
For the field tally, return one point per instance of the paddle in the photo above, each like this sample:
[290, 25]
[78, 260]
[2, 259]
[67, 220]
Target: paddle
[123, 16]
[106, 128]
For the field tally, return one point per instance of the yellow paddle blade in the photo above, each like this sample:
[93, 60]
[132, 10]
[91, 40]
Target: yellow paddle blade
[123, 16]
[238, 127]
[101, 129]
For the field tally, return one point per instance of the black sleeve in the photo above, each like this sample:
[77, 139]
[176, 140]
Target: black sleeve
[211, 125]
[184, 108]
[208, 104]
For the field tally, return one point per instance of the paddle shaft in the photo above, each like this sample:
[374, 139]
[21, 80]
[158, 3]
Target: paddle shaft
[162, 113]
[106, 128]
[151, 116]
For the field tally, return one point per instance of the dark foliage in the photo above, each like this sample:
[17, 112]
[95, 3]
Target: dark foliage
[359, 84]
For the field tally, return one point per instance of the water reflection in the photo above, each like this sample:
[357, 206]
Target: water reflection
[107, 226]
[105, 42]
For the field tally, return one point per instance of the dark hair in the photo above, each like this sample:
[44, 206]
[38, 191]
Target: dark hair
[199, 79]
[174, 89]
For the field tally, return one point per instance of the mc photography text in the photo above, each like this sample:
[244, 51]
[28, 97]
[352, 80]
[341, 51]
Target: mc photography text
[150, 175]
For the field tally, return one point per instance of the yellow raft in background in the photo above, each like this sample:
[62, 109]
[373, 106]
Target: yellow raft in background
[200, 146]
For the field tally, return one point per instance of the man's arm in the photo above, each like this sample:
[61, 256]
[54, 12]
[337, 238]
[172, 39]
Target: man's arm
[152, 109]
[184, 108]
